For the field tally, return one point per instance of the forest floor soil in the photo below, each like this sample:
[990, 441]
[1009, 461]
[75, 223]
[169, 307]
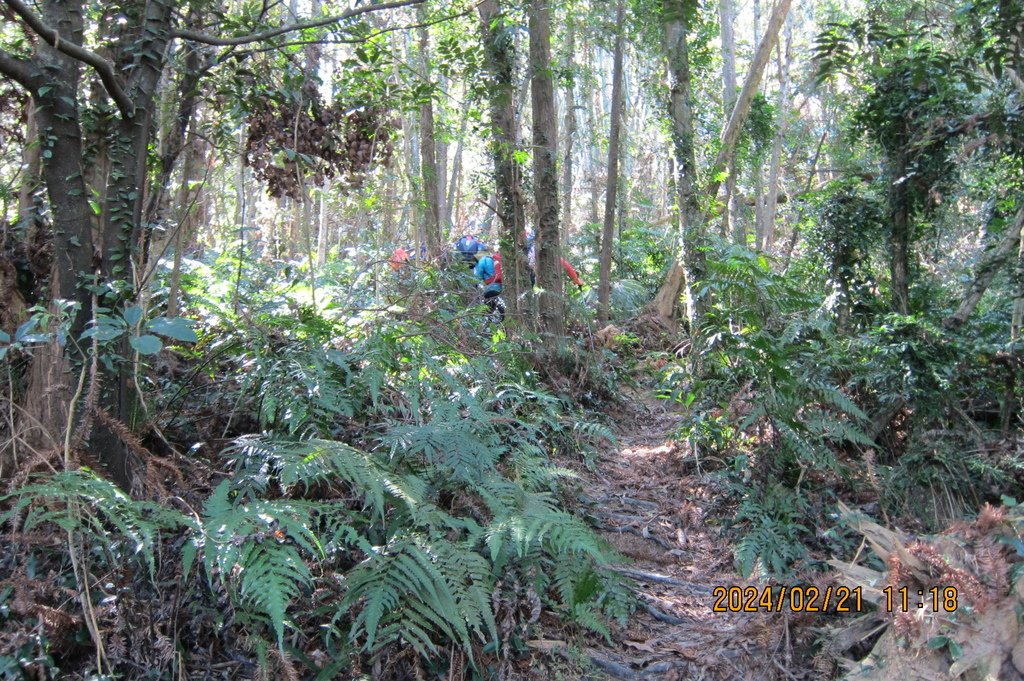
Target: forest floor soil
[648, 496]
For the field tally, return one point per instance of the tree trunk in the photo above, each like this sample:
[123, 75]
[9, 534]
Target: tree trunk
[665, 300]
[499, 60]
[611, 192]
[593, 119]
[32, 161]
[989, 266]
[569, 129]
[812, 171]
[47, 397]
[771, 203]
[428, 155]
[441, 166]
[456, 177]
[411, 208]
[685, 153]
[899, 238]
[545, 175]
[730, 222]
[1017, 323]
[184, 206]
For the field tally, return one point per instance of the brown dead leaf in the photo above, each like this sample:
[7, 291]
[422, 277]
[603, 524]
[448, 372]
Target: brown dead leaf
[641, 645]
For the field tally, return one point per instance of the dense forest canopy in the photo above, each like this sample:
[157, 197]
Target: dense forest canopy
[348, 340]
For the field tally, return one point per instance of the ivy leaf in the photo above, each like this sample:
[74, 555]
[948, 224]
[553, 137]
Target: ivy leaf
[177, 328]
[23, 330]
[103, 332]
[146, 345]
[132, 315]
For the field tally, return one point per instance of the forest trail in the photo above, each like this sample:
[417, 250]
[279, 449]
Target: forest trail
[647, 497]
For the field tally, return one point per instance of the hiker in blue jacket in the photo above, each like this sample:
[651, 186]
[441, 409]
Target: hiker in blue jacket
[468, 247]
[488, 271]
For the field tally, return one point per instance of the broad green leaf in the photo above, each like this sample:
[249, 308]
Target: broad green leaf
[146, 345]
[103, 333]
[23, 330]
[177, 328]
[132, 315]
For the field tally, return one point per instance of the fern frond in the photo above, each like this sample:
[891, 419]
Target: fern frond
[260, 458]
[415, 589]
[254, 549]
[81, 501]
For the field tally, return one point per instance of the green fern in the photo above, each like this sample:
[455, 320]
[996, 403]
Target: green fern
[416, 589]
[258, 550]
[462, 446]
[82, 502]
[258, 459]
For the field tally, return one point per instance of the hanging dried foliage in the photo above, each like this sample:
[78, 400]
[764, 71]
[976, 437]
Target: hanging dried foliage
[305, 142]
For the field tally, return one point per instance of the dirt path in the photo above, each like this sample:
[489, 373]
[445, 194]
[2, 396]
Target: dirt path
[649, 500]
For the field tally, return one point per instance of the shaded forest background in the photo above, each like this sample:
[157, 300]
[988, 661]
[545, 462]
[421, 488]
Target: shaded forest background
[239, 439]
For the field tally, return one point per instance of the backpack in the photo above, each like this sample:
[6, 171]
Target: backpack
[496, 279]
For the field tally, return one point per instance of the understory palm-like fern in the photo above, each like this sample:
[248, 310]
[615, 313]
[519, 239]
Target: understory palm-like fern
[261, 461]
[407, 534]
[417, 589]
[257, 549]
[82, 503]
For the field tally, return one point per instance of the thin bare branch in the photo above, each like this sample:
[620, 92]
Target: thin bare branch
[362, 39]
[290, 28]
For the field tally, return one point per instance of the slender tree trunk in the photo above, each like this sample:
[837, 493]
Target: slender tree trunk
[899, 238]
[593, 118]
[989, 266]
[545, 174]
[1017, 324]
[771, 203]
[611, 192]
[184, 206]
[758, 170]
[569, 128]
[322, 229]
[456, 178]
[441, 156]
[795, 234]
[428, 153]
[730, 222]
[665, 300]
[32, 161]
[412, 210]
[499, 60]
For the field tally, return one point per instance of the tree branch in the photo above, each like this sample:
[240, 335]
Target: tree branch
[370, 36]
[271, 33]
[103, 68]
[986, 271]
[18, 70]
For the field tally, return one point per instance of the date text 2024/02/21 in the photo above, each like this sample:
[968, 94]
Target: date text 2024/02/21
[830, 599]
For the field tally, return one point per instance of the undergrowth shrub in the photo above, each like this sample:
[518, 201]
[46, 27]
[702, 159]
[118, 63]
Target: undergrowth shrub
[791, 412]
[401, 494]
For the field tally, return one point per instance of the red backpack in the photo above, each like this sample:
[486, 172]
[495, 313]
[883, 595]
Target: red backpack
[496, 279]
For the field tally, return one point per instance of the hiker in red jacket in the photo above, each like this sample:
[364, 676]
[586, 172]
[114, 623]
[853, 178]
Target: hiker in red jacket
[531, 258]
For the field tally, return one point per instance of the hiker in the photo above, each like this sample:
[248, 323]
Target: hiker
[531, 259]
[488, 271]
[399, 258]
[468, 247]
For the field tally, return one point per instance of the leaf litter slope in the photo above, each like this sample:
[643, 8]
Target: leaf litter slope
[647, 497]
